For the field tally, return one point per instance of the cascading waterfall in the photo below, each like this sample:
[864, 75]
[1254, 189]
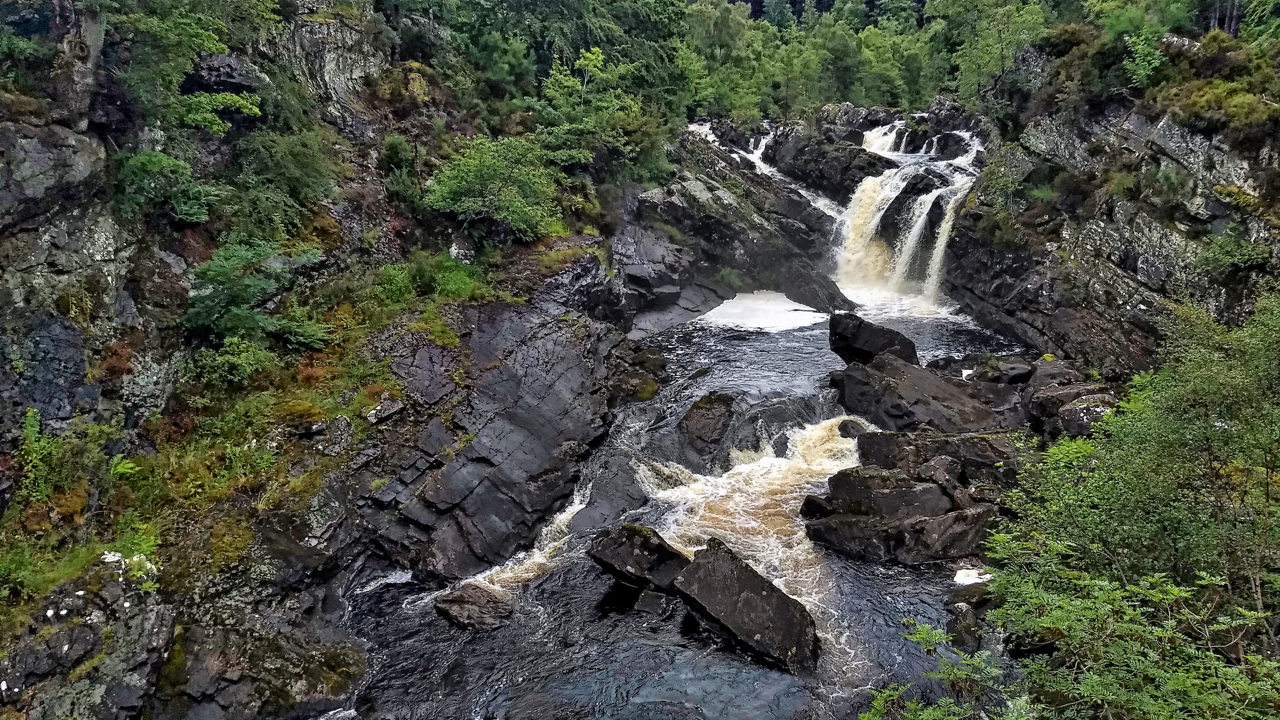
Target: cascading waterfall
[866, 260]
[863, 258]
[906, 251]
[933, 280]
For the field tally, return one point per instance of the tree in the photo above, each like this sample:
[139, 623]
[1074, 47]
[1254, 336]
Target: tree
[509, 180]
[779, 14]
[850, 12]
[990, 33]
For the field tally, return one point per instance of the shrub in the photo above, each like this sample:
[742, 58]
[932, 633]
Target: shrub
[397, 154]
[1231, 251]
[508, 180]
[154, 179]
[235, 364]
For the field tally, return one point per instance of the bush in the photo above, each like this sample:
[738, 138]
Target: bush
[508, 180]
[1230, 251]
[154, 179]
[235, 364]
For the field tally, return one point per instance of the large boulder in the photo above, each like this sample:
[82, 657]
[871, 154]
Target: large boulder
[911, 540]
[984, 458]
[835, 168]
[723, 587]
[896, 395]
[638, 555]
[857, 340]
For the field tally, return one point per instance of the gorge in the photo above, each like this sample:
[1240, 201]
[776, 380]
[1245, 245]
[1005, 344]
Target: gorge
[639, 359]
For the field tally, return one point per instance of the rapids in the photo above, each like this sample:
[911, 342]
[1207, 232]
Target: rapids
[574, 648]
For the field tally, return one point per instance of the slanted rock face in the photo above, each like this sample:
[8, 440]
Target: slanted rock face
[857, 340]
[910, 541]
[835, 168]
[723, 587]
[896, 395]
[43, 169]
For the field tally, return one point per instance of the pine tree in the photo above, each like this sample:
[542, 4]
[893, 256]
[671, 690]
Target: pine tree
[809, 16]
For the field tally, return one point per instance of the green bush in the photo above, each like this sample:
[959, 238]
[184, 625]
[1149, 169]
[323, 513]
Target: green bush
[397, 154]
[235, 364]
[154, 179]
[1231, 251]
[508, 180]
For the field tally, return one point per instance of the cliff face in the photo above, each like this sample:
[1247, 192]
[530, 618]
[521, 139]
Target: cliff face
[1138, 205]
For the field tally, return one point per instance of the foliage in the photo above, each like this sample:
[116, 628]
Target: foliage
[508, 180]
[151, 179]
[236, 363]
[990, 32]
[1143, 649]
[1229, 251]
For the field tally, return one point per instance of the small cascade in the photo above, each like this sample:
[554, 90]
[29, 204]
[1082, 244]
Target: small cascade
[906, 251]
[933, 280]
[864, 259]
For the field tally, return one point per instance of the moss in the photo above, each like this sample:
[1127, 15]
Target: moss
[229, 540]
[647, 389]
[435, 326]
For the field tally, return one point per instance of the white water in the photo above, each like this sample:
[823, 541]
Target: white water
[763, 310]
[870, 266]
[754, 507]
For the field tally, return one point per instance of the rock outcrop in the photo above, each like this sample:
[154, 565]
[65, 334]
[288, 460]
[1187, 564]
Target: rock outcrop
[835, 168]
[857, 340]
[722, 587]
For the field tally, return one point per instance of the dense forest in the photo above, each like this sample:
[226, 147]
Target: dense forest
[1138, 572]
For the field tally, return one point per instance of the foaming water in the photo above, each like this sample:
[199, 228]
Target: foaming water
[864, 258]
[868, 260]
[763, 310]
[933, 279]
[907, 249]
[754, 508]
[756, 158]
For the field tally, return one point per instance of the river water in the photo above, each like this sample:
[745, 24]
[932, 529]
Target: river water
[574, 647]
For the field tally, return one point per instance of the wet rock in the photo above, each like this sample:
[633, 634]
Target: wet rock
[836, 168]
[729, 134]
[473, 606]
[721, 586]
[639, 555]
[896, 395]
[887, 494]
[857, 340]
[706, 421]
[615, 491]
[910, 541]
[851, 429]
[983, 458]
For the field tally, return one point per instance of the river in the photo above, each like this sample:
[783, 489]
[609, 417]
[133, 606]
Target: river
[575, 648]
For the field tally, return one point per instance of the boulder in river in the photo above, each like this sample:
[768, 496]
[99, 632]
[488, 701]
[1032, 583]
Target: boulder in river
[473, 606]
[720, 585]
[857, 340]
[896, 395]
[911, 540]
[638, 554]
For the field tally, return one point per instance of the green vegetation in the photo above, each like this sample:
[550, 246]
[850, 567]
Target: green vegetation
[1142, 576]
[508, 180]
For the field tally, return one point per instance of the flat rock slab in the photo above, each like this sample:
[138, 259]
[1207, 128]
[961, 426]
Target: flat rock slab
[723, 587]
[639, 554]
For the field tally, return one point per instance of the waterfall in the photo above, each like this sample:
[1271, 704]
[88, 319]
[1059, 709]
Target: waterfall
[906, 251]
[864, 259]
[933, 280]
[866, 262]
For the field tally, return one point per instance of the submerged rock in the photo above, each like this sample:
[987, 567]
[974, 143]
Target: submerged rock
[721, 586]
[473, 606]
